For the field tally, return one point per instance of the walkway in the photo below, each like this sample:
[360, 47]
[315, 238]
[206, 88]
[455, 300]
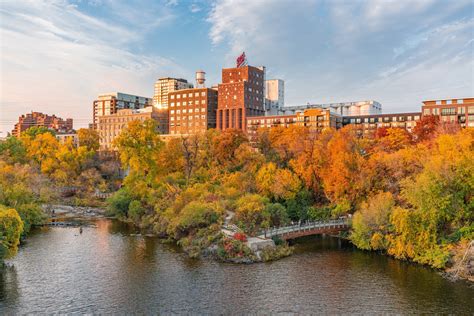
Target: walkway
[307, 229]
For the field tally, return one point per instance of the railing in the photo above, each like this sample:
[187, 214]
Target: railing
[304, 226]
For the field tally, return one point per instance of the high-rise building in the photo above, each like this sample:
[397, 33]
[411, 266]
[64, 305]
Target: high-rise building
[192, 111]
[451, 110]
[110, 126]
[110, 103]
[274, 96]
[164, 86]
[241, 95]
[42, 120]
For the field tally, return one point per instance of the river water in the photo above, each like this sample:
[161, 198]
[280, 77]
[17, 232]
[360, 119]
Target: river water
[104, 270]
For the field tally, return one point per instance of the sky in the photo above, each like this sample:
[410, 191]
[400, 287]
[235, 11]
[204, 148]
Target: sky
[58, 55]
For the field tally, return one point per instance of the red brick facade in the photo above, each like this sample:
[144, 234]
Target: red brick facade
[41, 120]
[240, 96]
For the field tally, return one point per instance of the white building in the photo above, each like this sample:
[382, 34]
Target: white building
[163, 86]
[344, 108]
[274, 96]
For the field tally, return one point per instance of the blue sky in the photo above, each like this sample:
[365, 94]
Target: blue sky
[58, 55]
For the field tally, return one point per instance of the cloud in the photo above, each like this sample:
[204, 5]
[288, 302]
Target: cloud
[57, 59]
[398, 52]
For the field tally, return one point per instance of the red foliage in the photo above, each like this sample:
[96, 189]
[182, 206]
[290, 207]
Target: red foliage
[240, 236]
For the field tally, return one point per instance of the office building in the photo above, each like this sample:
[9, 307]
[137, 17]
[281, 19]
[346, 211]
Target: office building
[110, 126]
[110, 103]
[164, 86]
[38, 119]
[241, 95]
[192, 111]
[274, 96]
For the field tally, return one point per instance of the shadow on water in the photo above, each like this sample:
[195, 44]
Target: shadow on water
[9, 289]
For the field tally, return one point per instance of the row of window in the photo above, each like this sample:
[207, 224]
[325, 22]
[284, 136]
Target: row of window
[190, 117]
[203, 110]
[188, 103]
[385, 119]
[449, 111]
[189, 95]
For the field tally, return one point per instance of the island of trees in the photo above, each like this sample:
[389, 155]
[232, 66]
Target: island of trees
[411, 195]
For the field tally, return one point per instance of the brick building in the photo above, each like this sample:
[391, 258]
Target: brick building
[110, 126]
[39, 119]
[241, 95]
[192, 111]
[459, 111]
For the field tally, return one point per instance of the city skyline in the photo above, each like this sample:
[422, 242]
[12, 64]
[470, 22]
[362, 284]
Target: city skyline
[57, 56]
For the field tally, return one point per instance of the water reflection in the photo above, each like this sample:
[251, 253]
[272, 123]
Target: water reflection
[106, 270]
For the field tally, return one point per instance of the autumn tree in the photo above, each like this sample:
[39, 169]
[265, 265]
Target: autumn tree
[138, 145]
[11, 227]
[341, 174]
[89, 138]
[425, 128]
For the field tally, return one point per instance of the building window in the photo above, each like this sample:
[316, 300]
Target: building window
[470, 110]
[172, 111]
[172, 104]
[426, 111]
[190, 95]
[172, 97]
[178, 96]
[461, 110]
[203, 94]
[448, 111]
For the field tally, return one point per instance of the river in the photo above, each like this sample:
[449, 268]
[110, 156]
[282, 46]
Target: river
[104, 270]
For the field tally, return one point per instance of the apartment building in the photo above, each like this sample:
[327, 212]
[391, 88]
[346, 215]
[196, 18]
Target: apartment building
[166, 85]
[316, 120]
[241, 95]
[460, 111]
[368, 124]
[110, 103]
[110, 126]
[192, 111]
[39, 119]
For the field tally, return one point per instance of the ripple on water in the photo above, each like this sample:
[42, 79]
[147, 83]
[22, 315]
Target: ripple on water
[104, 270]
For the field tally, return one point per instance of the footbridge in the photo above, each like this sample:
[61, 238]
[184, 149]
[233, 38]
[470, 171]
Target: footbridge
[307, 228]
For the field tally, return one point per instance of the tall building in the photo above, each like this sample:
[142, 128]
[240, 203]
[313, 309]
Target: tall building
[110, 126]
[39, 119]
[274, 96]
[451, 110]
[344, 108]
[192, 111]
[110, 103]
[164, 86]
[241, 95]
